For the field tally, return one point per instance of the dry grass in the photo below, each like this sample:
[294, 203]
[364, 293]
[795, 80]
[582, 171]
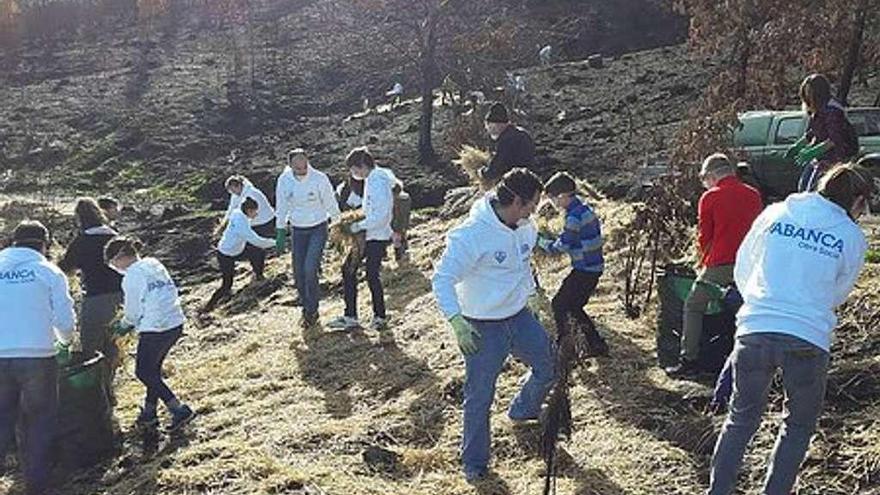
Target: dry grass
[340, 234]
[282, 411]
[471, 160]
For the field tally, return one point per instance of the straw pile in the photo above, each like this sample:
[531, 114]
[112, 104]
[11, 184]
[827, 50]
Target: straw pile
[471, 160]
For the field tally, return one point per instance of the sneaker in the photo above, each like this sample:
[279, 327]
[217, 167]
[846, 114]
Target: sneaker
[180, 417]
[379, 324]
[308, 320]
[684, 369]
[597, 348]
[474, 475]
[344, 323]
[147, 419]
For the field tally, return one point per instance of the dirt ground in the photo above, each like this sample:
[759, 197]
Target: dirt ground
[287, 411]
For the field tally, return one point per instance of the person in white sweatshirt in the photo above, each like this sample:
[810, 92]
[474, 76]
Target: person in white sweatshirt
[239, 241]
[482, 286]
[38, 320]
[152, 308]
[378, 206]
[799, 261]
[306, 204]
[239, 189]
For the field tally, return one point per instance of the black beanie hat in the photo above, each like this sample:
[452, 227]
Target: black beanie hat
[497, 114]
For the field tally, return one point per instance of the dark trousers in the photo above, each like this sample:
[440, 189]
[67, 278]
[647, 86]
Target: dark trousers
[374, 253]
[29, 393]
[152, 349]
[257, 259]
[568, 304]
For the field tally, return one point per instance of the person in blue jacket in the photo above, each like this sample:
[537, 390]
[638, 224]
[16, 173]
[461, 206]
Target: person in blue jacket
[582, 241]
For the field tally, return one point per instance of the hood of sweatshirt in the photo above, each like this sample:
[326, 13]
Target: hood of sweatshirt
[484, 213]
[14, 257]
[812, 210]
[384, 175]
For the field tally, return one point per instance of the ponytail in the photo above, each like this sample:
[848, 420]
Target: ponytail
[846, 183]
[122, 246]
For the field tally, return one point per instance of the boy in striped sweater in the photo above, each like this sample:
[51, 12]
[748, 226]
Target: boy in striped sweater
[582, 241]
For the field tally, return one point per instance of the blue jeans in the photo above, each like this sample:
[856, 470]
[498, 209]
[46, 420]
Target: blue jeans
[152, 350]
[524, 337]
[755, 359]
[29, 393]
[307, 252]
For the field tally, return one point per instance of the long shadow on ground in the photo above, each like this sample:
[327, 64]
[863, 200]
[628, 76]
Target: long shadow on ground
[341, 364]
[629, 395]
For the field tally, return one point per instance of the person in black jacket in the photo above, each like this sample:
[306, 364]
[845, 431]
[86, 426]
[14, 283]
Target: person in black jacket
[102, 287]
[514, 146]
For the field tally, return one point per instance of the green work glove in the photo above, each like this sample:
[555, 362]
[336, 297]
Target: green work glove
[121, 329]
[280, 238]
[62, 353]
[794, 149]
[465, 334]
[811, 153]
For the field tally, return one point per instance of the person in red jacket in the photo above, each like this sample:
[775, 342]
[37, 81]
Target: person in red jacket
[726, 212]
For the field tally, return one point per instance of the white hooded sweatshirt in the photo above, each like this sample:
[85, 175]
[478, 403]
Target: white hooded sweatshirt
[379, 204]
[35, 305]
[485, 272]
[799, 261]
[152, 303]
[304, 202]
[265, 212]
[238, 234]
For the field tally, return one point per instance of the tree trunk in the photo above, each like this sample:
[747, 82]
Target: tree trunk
[427, 156]
[743, 50]
[854, 54]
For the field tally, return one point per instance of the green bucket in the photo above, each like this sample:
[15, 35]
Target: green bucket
[85, 374]
[682, 287]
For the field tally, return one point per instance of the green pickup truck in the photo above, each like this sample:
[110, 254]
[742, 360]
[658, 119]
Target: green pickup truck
[763, 137]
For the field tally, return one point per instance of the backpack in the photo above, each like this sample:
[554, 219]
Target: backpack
[401, 211]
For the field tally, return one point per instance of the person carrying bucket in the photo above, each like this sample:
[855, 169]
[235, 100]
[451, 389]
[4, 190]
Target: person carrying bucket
[725, 212]
[38, 321]
[152, 309]
[102, 287]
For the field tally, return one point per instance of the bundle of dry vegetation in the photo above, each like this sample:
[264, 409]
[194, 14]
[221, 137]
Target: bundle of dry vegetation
[340, 232]
[471, 159]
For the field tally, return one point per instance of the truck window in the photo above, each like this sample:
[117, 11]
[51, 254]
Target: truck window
[789, 130]
[865, 122]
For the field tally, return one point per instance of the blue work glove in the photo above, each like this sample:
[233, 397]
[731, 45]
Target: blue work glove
[465, 334]
[356, 227]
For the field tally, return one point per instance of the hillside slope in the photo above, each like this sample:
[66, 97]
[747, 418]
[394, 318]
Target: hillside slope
[287, 411]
